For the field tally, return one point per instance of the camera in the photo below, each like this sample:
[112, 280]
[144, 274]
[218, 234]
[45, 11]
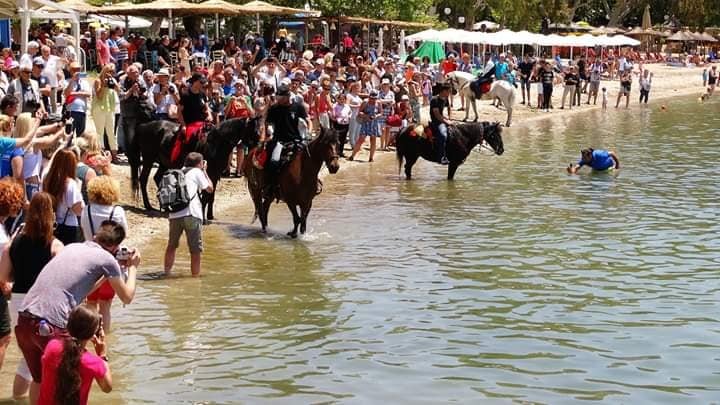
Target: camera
[110, 83]
[124, 253]
[171, 90]
[32, 105]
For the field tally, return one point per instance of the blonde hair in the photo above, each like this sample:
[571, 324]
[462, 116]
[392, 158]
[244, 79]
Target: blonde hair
[107, 68]
[5, 123]
[23, 124]
[87, 143]
[103, 190]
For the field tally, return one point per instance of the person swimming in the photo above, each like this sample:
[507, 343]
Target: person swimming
[599, 160]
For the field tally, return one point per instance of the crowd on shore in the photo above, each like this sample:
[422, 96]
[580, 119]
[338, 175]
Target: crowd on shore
[58, 187]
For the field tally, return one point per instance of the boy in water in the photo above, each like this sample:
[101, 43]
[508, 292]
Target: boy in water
[598, 160]
[604, 98]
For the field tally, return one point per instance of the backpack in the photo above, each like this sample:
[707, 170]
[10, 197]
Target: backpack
[172, 191]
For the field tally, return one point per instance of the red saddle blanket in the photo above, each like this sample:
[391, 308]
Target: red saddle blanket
[184, 137]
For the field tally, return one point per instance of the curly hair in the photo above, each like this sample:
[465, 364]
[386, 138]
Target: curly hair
[62, 168]
[103, 190]
[12, 197]
[40, 218]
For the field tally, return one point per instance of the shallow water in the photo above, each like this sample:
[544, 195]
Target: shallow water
[516, 282]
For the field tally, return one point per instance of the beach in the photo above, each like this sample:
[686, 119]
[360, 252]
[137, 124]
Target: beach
[668, 82]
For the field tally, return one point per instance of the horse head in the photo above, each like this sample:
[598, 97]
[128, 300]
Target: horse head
[324, 147]
[492, 134]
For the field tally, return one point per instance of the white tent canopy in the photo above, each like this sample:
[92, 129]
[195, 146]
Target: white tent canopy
[508, 37]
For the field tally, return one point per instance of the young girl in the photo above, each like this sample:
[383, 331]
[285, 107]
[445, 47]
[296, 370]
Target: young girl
[369, 112]
[426, 88]
[340, 118]
[68, 369]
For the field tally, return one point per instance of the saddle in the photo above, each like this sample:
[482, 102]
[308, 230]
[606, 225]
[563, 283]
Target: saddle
[481, 86]
[259, 156]
[195, 132]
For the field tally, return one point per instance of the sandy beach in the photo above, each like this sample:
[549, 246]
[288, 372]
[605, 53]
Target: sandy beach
[667, 82]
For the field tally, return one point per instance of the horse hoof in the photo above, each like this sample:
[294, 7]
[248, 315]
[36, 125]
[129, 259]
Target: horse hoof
[292, 234]
[475, 120]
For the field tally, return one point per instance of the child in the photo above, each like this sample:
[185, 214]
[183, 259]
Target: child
[604, 98]
[426, 89]
[705, 77]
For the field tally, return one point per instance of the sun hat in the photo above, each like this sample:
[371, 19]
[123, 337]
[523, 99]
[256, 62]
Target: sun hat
[163, 72]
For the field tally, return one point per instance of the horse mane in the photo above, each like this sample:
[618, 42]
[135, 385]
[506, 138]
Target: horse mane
[326, 137]
[473, 130]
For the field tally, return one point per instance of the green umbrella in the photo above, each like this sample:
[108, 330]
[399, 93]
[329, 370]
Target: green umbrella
[433, 50]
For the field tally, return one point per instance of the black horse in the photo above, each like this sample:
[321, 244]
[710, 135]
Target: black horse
[461, 141]
[154, 142]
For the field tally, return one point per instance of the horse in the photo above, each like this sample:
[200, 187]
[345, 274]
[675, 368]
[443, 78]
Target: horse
[499, 88]
[154, 141]
[462, 139]
[298, 180]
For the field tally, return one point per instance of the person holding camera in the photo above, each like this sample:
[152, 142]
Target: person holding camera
[166, 96]
[66, 281]
[103, 194]
[76, 95]
[103, 107]
[189, 219]
[132, 95]
[69, 368]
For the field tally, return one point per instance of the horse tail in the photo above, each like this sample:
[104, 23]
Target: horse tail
[398, 152]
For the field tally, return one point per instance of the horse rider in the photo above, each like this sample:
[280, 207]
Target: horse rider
[193, 112]
[487, 76]
[597, 159]
[285, 124]
[439, 123]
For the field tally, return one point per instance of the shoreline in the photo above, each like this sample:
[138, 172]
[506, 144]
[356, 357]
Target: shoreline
[668, 82]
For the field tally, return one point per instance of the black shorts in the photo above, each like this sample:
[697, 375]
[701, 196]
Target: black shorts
[5, 327]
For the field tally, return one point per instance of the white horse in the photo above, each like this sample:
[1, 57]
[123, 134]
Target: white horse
[500, 89]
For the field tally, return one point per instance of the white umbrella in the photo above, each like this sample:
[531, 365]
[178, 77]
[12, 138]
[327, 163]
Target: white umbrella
[380, 41]
[401, 46]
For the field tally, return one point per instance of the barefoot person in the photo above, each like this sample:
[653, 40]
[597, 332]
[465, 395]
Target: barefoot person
[598, 160]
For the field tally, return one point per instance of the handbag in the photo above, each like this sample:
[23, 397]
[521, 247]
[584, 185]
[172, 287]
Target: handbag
[66, 233]
[394, 121]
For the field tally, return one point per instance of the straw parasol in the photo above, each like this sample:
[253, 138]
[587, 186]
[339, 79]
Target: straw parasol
[76, 5]
[605, 30]
[258, 8]
[681, 36]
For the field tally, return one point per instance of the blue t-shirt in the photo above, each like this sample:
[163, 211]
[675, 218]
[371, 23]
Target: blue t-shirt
[501, 69]
[6, 145]
[601, 160]
[6, 160]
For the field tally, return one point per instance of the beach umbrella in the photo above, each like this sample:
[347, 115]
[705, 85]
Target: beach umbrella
[258, 8]
[76, 5]
[431, 49]
[646, 24]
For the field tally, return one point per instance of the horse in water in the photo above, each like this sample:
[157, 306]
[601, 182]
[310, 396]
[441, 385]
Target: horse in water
[298, 180]
[461, 140]
[154, 141]
[499, 88]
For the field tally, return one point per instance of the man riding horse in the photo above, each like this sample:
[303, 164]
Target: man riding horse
[482, 84]
[439, 123]
[282, 126]
[193, 112]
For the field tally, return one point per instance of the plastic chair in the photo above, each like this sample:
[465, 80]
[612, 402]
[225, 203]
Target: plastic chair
[218, 55]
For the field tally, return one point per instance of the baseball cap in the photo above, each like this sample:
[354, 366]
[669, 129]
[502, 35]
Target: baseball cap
[282, 90]
[373, 94]
[38, 61]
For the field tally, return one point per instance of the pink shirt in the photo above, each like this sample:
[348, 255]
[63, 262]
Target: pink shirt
[91, 367]
[103, 52]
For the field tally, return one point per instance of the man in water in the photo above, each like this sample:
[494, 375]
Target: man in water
[598, 160]
[439, 122]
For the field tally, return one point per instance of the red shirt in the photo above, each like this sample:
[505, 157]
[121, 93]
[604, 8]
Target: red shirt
[347, 42]
[449, 66]
[91, 367]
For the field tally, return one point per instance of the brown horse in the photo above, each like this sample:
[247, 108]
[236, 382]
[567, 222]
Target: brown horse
[461, 141]
[298, 180]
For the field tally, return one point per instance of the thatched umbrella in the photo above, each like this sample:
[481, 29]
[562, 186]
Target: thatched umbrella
[77, 5]
[257, 8]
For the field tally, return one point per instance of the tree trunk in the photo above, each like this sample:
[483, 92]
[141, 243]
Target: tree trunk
[620, 10]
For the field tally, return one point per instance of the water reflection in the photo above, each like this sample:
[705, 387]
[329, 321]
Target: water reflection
[514, 282]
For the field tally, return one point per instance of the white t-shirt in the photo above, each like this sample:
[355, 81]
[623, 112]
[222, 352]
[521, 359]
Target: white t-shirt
[51, 70]
[273, 80]
[166, 101]
[99, 214]
[64, 214]
[195, 181]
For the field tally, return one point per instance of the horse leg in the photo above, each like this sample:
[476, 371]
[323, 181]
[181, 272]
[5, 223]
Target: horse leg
[409, 162]
[144, 176]
[296, 220]
[466, 96]
[452, 167]
[304, 212]
[264, 209]
[509, 116]
[474, 106]
[210, 201]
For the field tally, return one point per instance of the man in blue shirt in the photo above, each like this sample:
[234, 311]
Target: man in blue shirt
[599, 160]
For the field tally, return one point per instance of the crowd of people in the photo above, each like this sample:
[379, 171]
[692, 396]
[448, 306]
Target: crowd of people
[61, 243]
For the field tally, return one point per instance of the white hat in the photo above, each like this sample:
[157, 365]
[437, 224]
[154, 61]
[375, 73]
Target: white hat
[320, 61]
[33, 44]
[385, 81]
[163, 72]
